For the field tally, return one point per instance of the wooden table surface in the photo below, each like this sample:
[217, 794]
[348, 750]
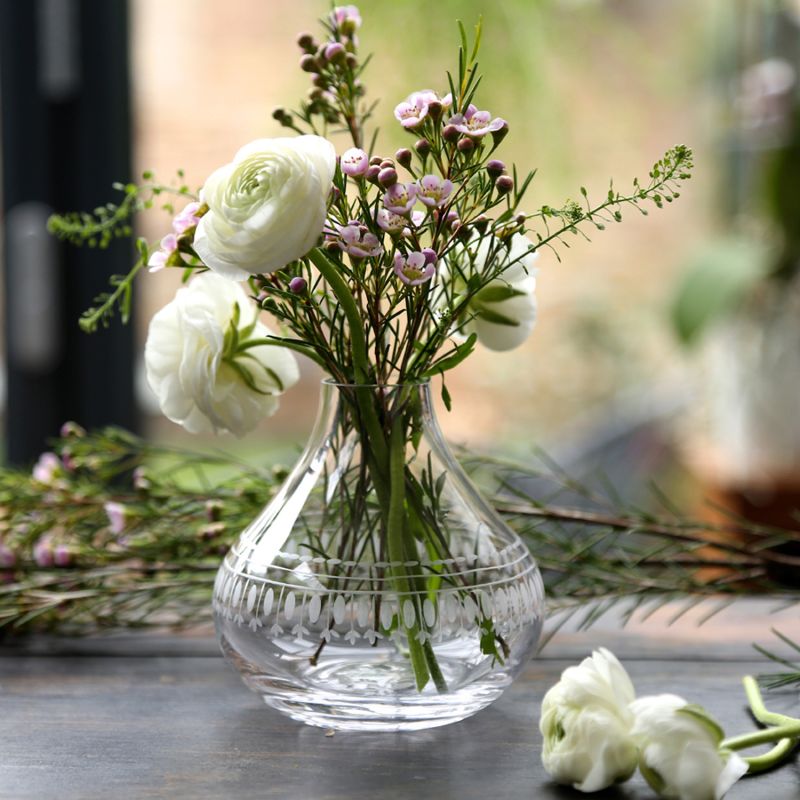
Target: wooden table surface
[165, 717]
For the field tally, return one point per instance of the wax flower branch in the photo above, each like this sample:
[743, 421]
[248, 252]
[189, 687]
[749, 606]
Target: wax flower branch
[384, 270]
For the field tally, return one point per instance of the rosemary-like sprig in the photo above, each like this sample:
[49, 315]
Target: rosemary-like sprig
[182, 510]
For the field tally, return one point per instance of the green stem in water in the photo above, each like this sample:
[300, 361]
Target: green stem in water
[394, 536]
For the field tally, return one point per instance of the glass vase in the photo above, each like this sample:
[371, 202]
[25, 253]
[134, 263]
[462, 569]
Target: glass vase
[378, 590]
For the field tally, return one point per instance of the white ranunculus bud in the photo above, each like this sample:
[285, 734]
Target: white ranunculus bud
[267, 207]
[680, 755]
[196, 366]
[503, 313]
[586, 725]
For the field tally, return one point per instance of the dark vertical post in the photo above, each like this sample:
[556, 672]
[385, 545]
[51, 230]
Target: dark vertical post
[66, 132]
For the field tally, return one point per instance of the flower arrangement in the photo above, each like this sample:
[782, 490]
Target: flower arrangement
[386, 272]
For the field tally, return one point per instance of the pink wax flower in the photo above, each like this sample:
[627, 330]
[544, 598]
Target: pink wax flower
[43, 552]
[476, 123]
[7, 556]
[400, 198]
[62, 555]
[71, 429]
[414, 108]
[117, 515]
[357, 240]
[354, 162]
[396, 225]
[347, 19]
[433, 191]
[415, 268]
[140, 479]
[159, 259]
[46, 468]
[186, 218]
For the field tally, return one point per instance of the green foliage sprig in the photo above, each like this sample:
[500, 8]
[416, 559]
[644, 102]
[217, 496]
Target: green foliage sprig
[182, 510]
[112, 221]
[663, 187]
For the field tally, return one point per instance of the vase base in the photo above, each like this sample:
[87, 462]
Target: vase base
[356, 695]
[371, 716]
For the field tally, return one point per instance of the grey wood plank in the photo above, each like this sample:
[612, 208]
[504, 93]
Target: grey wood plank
[86, 727]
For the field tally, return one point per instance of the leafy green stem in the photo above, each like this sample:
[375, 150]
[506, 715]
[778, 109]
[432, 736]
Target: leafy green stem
[394, 535]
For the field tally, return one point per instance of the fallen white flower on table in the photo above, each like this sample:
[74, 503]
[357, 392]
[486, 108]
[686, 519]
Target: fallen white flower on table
[586, 723]
[680, 754]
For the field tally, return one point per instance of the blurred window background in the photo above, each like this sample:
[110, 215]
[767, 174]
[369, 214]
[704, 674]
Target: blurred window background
[592, 89]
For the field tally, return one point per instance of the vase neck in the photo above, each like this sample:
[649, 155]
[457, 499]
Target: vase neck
[348, 405]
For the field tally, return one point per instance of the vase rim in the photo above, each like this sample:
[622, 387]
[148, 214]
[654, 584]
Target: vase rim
[337, 385]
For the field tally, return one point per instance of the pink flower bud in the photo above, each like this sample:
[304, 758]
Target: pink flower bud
[495, 168]
[43, 552]
[297, 285]
[430, 255]
[62, 555]
[308, 63]
[117, 515]
[499, 133]
[71, 429]
[387, 177]
[403, 156]
[7, 556]
[481, 224]
[504, 184]
[435, 109]
[334, 52]
[305, 41]
[450, 133]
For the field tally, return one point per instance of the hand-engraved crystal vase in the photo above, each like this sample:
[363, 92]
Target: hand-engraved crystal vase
[378, 590]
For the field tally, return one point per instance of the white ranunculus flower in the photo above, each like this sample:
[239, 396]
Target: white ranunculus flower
[680, 756]
[200, 381]
[503, 313]
[586, 725]
[267, 207]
